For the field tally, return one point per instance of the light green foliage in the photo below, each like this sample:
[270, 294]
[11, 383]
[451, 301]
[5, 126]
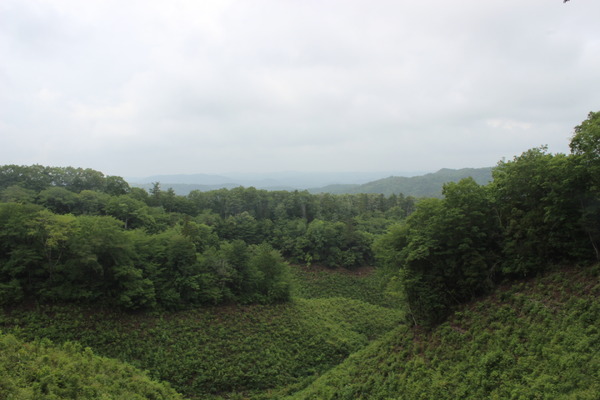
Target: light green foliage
[269, 273]
[133, 213]
[90, 202]
[39, 370]
[537, 340]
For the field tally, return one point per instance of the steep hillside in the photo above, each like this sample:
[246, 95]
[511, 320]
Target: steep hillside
[429, 185]
[535, 340]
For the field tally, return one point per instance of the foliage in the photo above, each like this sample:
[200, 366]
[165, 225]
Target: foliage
[40, 370]
[364, 284]
[39, 178]
[214, 351]
[536, 340]
[93, 259]
[444, 251]
[72, 236]
[536, 198]
[541, 209]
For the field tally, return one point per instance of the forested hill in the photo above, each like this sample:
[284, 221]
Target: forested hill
[429, 185]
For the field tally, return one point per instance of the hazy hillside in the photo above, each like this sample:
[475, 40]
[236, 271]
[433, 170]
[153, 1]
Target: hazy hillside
[182, 184]
[429, 185]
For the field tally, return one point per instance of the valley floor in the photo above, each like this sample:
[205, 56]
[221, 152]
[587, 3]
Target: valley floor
[341, 339]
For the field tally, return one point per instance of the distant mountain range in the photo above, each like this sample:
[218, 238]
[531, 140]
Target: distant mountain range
[411, 184]
[182, 184]
[428, 185]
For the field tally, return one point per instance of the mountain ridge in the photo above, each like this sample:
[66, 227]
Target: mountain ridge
[426, 185]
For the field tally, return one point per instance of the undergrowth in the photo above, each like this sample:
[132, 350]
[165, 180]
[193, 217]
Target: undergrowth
[534, 340]
[41, 370]
[364, 284]
[222, 350]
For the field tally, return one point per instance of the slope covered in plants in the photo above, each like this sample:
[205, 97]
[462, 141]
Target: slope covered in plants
[538, 339]
[41, 370]
[218, 351]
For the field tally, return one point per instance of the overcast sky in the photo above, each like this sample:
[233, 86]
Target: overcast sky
[137, 88]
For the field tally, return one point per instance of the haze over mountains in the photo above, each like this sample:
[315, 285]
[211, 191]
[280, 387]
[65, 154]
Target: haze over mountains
[289, 180]
[418, 184]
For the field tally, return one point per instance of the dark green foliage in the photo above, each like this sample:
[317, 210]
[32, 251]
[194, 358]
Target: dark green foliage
[88, 258]
[17, 194]
[73, 236]
[585, 146]
[331, 244]
[212, 351]
[536, 196]
[445, 252]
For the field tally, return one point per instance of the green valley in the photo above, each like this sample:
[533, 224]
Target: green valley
[491, 291]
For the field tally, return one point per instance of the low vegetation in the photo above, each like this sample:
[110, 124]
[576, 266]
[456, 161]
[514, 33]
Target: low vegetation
[218, 350]
[41, 370]
[538, 339]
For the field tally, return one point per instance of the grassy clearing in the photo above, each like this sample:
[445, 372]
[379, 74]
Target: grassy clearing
[534, 340]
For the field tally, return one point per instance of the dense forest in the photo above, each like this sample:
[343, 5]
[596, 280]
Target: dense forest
[75, 237]
[72, 234]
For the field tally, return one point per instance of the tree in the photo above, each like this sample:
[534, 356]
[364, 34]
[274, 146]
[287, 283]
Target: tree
[57, 199]
[115, 186]
[537, 203]
[90, 202]
[17, 194]
[132, 212]
[445, 252]
[273, 279]
[585, 149]
[585, 145]
[100, 266]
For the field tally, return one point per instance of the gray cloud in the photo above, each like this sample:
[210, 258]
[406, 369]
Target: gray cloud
[148, 87]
